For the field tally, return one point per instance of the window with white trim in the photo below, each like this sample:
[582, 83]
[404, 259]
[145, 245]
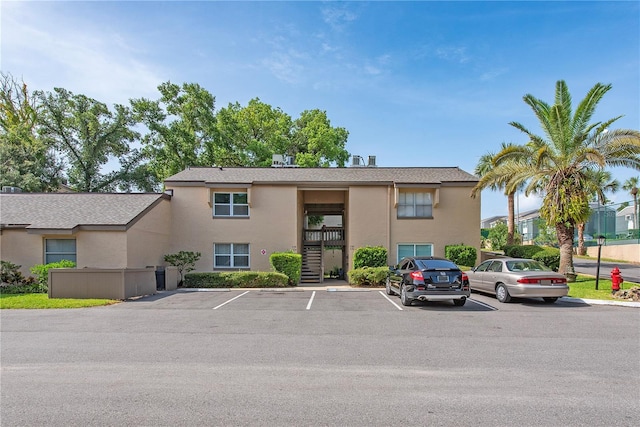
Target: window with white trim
[59, 249]
[231, 255]
[414, 249]
[230, 204]
[415, 205]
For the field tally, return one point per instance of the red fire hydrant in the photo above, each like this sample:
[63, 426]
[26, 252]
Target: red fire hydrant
[616, 280]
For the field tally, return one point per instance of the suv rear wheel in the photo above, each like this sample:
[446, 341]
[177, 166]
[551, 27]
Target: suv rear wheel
[459, 302]
[403, 296]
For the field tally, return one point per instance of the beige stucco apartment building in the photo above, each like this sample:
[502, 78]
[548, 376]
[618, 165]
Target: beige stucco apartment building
[237, 217]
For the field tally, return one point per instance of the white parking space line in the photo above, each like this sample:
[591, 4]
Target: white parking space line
[389, 299]
[490, 307]
[227, 302]
[313, 295]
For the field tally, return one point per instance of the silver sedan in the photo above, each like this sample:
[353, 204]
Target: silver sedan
[518, 277]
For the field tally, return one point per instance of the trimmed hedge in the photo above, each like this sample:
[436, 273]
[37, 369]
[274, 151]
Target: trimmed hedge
[461, 254]
[368, 276]
[370, 256]
[522, 251]
[549, 257]
[289, 264]
[236, 279]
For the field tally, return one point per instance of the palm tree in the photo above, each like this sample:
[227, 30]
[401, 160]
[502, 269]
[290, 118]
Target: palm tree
[632, 185]
[492, 177]
[571, 145]
[599, 182]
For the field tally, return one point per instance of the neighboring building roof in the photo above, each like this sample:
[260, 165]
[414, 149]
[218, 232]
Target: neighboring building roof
[628, 210]
[70, 211]
[350, 175]
[488, 222]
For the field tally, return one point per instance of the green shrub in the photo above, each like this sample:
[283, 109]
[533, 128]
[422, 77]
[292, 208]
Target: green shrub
[370, 256]
[368, 276]
[549, 257]
[289, 264]
[10, 274]
[12, 281]
[236, 279]
[461, 254]
[522, 251]
[42, 273]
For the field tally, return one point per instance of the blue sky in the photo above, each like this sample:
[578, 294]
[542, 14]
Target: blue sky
[415, 83]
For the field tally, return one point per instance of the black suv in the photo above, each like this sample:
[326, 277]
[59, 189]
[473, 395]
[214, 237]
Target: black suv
[428, 279]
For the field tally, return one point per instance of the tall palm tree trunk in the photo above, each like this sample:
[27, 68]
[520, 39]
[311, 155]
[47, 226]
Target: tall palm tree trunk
[511, 221]
[565, 239]
[582, 250]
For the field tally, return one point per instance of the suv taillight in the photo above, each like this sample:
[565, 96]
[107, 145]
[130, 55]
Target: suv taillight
[417, 275]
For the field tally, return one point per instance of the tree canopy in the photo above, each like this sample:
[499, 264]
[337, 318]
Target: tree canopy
[47, 138]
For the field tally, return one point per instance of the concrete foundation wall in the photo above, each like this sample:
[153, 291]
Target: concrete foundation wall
[171, 278]
[101, 283]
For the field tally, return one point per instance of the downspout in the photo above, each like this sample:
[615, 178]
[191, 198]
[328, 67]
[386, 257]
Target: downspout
[322, 253]
[389, 221]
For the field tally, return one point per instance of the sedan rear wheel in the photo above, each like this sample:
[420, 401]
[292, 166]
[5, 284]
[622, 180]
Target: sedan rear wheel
[459, 302]
[388, 287]
[502, 293]
[550, 300]
[403, 296]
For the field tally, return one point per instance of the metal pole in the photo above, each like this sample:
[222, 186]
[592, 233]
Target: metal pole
[598, 267]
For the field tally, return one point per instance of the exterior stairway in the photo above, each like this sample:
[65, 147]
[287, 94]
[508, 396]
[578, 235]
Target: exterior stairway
[311, 265]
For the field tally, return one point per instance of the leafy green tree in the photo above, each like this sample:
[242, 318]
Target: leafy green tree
[25, 160]
[558, 160]
[498, 236]
[185, 261]
[249, 136]
[316, 143]
[89, 135]
[180, 128]
[546, 234]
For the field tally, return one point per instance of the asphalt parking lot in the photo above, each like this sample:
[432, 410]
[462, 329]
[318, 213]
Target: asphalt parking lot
[320, 357]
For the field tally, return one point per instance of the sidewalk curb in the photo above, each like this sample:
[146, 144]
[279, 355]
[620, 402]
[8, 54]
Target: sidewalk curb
[632, 304]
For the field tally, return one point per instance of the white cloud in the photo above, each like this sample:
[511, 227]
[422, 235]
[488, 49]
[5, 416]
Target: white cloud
[493, 74]
[338, 17]
[455, 54]
[93, 61]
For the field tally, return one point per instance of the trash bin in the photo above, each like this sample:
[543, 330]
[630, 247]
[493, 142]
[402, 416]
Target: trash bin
[160, 278]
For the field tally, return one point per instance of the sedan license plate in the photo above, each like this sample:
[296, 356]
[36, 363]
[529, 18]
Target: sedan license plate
[443, 279]
[545, 282]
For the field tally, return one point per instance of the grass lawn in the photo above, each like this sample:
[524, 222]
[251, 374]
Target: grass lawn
[585, 287]
[43, 301]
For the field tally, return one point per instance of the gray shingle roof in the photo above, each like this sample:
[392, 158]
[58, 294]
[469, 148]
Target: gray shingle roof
[66, 211]
[357, 175]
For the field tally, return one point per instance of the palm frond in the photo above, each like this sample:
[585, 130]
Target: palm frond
[587, 106]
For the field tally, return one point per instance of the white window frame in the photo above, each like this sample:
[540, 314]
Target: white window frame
[413, 205]
[231, 205]
[60, 254]
[231, 255]
[398, 257]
